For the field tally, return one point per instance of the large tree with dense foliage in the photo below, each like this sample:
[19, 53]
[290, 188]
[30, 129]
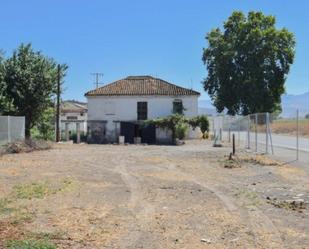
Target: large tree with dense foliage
[248, 63]
[4, 102]
[31, 83]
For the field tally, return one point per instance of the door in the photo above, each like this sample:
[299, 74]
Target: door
[148, 134]
[127, 130]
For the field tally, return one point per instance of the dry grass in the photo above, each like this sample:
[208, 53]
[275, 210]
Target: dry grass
[236, 161]
[259, 159]
[285, 127]
[25, 146]
[288, 126]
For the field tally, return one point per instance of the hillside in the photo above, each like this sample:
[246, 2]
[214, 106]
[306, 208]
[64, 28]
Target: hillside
[290, 103]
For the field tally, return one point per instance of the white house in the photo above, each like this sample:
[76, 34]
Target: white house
[73, 116]
[120, 108]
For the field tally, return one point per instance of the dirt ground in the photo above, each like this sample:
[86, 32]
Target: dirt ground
[135, 196]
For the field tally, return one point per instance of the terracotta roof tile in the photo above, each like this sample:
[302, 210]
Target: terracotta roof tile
[141, 85]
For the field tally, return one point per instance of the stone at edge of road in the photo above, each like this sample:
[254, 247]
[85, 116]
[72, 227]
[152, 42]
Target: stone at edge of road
[208, 241]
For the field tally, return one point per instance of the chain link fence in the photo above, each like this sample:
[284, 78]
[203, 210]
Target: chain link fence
[11, 129]
[265, 133]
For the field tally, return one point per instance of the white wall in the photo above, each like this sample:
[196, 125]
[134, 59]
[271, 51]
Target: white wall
[124, 108]
[72, 124]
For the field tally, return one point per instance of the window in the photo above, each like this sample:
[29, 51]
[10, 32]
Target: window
[141, 110]
[71, 117]
[178, 106]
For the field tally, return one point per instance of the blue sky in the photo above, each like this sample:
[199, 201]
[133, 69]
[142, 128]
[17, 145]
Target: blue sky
[138, 37]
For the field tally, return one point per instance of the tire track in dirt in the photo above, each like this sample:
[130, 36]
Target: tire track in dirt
[265, 232]
[142, 210]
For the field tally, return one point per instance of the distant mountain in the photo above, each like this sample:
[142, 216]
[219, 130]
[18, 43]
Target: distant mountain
[290, 104]
[205, 107]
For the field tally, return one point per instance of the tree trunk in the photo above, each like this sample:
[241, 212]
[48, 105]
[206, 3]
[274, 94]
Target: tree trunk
[27, 128]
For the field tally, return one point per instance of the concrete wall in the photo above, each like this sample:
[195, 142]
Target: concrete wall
[124, 108]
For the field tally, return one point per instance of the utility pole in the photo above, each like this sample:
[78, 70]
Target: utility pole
[97, 79]
[58, 105]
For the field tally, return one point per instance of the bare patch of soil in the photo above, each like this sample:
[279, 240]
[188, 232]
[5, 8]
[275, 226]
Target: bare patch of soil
[106, 196]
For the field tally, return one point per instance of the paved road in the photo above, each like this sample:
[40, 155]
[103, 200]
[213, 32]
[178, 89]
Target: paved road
[283, 145]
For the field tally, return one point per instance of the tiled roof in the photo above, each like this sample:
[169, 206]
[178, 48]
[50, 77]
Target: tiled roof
[73, 106]
[141, 85]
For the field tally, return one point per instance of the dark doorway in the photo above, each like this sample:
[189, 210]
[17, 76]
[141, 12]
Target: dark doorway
[127, 130]
[148, 134]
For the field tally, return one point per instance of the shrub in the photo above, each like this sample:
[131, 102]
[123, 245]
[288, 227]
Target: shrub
[181, 130]
[169, 122]
[201, 122]
[83, 137]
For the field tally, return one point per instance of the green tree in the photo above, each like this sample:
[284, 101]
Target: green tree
[307, 116]
[248, 63]
[45, 125]
[31, 80]
[5, 104]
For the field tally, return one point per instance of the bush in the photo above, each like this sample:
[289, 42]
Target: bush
[45, 126]
[181, 130]
[83, 137]
[201, 122]
[307, 116]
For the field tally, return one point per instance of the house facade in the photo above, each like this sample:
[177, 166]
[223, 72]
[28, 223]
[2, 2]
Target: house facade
[73, 116]
[120, 108]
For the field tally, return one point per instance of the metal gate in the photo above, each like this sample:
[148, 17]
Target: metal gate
[127, 130]
[148, 134]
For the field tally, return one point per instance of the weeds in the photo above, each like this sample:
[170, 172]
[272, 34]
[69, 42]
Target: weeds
[249, 198]
[29, 244]
[33, 190]
[287, 204]
[4, 206]
[56, 235]
[231, 162]
[39, 190]
[260, 160]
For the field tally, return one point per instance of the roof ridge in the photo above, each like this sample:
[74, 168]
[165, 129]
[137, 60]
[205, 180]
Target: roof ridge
[141, 85]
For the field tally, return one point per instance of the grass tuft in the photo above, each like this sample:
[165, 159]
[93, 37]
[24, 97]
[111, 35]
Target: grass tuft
[33, 190]
[29, 244]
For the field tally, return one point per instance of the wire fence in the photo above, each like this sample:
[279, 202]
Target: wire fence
[11, 129]
[266, 133]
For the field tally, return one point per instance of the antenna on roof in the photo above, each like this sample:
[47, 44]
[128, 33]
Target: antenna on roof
[191, 83]
[97, 77]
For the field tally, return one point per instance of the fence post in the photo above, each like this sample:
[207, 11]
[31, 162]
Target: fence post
[248, 133]
[256, 135]
[9, 129]
[267, 124]
[233, 144]
[239, 132]
[297, 134]
[213, 126]
[229, 134]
